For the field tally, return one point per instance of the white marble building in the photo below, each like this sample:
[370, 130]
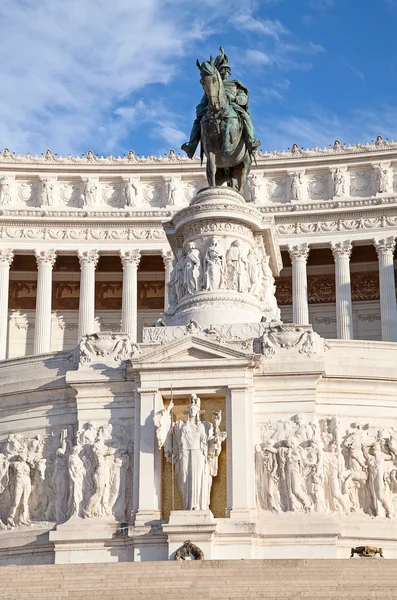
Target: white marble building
[300, 458]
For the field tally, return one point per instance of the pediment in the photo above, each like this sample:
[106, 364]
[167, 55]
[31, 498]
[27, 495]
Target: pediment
[192, 349]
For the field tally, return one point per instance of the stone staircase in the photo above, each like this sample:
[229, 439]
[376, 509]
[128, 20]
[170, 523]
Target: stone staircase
[356, 579]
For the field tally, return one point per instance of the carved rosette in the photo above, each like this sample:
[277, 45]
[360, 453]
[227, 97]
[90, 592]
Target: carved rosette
[225, 252]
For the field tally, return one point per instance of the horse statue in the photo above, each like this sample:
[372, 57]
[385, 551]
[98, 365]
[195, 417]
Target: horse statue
[228, 157]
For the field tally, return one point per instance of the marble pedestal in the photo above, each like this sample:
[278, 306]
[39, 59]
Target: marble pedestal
[198, 526]
[237, 286]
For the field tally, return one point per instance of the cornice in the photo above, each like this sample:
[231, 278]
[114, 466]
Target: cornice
[380, 147]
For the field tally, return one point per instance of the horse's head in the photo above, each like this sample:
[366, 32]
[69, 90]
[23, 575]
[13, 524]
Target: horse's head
[40, 465]
[212, 84]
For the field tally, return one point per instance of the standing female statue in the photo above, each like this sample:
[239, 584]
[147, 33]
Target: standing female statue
[193, 446]
[213, 266]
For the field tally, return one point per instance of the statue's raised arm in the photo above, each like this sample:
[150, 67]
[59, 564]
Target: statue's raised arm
[224, 125]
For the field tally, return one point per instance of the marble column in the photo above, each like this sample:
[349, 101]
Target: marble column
[240, 458]
[42, 326]
[344, 313]
[168, 257]
[129, 308]
[300, 308]
[88, 261]
[387, 288]
[6, 258]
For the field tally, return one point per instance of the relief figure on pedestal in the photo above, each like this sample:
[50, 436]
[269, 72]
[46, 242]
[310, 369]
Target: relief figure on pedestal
[213, 266]
[192, 270]
[237, 267]
[254, 272]
[193, 446]
[339, 182]
[130, 193]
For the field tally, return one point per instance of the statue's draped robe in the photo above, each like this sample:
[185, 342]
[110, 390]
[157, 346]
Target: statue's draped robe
[188, 442]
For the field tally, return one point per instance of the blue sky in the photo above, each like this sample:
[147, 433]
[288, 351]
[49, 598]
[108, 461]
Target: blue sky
[114, 75]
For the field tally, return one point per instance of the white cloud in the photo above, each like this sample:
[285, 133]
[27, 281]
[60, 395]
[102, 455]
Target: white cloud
[68, 64]
[266, 27]
[258, 57]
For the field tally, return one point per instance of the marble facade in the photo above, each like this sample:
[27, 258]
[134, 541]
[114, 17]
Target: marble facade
[304, 446]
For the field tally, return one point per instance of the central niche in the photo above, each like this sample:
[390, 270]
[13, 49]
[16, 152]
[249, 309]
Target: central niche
[171, 498]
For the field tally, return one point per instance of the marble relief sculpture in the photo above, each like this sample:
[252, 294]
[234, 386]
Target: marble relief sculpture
[254, 188]
[5, 191]
[339, 182]
[89, 190]
[382, 179]
[52, 479]
[194, 447]
[214, 266]
[296, 187]
[192, 270]
[130, 192]
[46, 192]
[315, 467]
[170, 190]
[237, 267]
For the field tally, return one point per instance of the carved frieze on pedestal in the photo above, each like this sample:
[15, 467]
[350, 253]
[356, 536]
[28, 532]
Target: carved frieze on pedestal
[225, 256]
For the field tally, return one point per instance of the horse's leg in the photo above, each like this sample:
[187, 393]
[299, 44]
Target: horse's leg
[211, 169]
[244, 169]
[221, 176]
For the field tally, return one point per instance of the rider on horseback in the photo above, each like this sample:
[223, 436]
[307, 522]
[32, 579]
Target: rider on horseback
[237, 95]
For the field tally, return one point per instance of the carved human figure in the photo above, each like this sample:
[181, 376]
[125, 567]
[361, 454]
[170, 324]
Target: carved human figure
[21, 488]
[179, 275]
[118, 483]
[357, 464]
[268, 484]
[213, 266]
[170, 190]
[339, 182]
[130, 192]
[377, 478]
[269, 288]
[292, 459]
[4, 480]
[316, 475]
[254, 267]
[237, 267]
[5, 191]
[336, 474]
[171, 286]
[303, 431]
[76, 479]
[382, 179]
[89, 192]
[254, 188]
[192, 270]
[296, 186]
[46, 192]
[194, 447]
[60, 480]
[100, 454]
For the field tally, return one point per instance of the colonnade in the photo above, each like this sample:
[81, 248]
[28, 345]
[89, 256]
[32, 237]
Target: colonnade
[344, 315]
[130, 259]
[88, 260]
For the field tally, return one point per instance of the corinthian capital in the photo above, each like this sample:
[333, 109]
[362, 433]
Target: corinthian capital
[88, 257]
[6, 257]
[168, 257]
[130, 257]
[300, 251]
[340, 249]
[385, 246]
[45, 257]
